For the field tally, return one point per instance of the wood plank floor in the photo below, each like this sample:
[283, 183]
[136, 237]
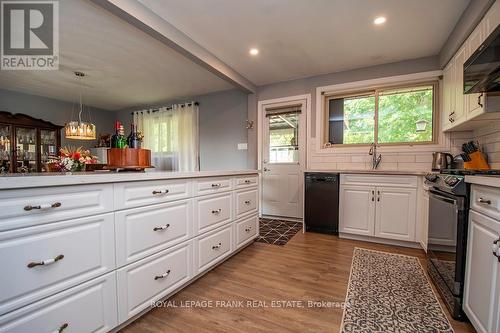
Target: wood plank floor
[310, 267]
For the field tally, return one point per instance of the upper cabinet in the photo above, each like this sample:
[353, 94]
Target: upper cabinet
[467, 111]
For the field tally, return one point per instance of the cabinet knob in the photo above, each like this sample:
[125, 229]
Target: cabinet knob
[248, 181]
[217, 246]
[217, 211]
[45, 262]
[479, 100]
[248, 229]
[216, 185]
[46, 206]
[496, 249]
[247, 202]
[164, 275]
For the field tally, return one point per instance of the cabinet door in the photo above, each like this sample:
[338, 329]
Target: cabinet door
[482, 274]
[448, 95]
[357, 210]
[396, 213]
[458, 113]
[474, 102]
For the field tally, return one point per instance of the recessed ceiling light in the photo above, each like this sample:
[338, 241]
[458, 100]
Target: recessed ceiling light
[254, 51]
[379, 20]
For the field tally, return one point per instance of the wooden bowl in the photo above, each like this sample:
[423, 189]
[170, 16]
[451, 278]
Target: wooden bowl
[129, 158]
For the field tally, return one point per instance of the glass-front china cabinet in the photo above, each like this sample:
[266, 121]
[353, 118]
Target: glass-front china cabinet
[27, 144]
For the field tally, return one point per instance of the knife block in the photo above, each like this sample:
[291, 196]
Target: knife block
[477, 162]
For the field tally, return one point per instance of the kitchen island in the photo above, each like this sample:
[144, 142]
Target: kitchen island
[92, 251]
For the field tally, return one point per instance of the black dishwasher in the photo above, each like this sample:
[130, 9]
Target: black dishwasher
[322, 202]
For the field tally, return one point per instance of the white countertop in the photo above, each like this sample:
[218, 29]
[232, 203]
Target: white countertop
[15, 181]
[376, 172]
[493, 181]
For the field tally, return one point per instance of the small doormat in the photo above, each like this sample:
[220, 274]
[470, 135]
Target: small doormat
[390, 293]
[277, 232]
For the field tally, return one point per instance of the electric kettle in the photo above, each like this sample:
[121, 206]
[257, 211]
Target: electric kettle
[441, 161]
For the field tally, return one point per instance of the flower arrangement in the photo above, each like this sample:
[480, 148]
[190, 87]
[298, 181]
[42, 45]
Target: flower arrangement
[74, 159]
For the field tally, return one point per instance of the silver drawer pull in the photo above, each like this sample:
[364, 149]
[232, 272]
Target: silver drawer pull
[163, 227]
[216, 185]
[160, 192]
[46, 206]
[164, 275]
[216, 247]
[217, 211]
[62, 328]
[248, 229]
[45, 262]
[248, 181]
[483, 201]
[247, 202]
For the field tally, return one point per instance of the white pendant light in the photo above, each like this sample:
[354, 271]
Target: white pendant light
[80, 130]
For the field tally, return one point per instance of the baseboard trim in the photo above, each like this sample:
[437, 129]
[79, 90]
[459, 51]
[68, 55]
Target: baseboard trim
[285, 218]
[371, 239]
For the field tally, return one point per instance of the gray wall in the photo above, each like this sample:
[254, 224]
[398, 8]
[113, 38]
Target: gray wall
[55, 111]
[222, 121]
[309, 85]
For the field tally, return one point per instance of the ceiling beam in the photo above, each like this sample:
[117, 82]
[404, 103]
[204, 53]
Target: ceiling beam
[147, 21]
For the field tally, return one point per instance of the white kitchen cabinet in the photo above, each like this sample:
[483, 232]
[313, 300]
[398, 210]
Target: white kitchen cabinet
[424, 218]
[475, 102]
[357, 210]
[448, 95]
[395, 215]
[382, 206]
[458, 115]
[482, 276]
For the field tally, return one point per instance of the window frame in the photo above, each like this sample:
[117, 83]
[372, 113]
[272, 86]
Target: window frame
[376, 90]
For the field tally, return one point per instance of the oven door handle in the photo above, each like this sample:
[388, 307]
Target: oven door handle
[443, 198]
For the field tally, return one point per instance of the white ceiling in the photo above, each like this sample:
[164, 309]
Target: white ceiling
[124, 66]
[299, 38]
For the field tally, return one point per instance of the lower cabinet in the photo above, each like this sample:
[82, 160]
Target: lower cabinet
[395, 213]
[482, 275]
[357, 210]
[88, 307]
[151, 279]
[380, 211]
[213, 247]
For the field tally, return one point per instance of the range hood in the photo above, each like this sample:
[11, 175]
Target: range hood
[482, 69]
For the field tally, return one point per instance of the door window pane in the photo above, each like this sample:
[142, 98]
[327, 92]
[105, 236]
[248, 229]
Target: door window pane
[5, 149]
[26, 143]
[405, 115]
[284, 138]
[352, 120]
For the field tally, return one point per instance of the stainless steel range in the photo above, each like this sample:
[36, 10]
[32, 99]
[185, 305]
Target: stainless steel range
[447, 238]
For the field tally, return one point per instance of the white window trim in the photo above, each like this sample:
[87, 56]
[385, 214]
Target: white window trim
[443, 141]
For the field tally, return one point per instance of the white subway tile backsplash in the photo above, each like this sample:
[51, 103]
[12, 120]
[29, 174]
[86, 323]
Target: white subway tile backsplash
[406, 158]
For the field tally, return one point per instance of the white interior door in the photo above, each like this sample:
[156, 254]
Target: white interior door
[283, 157]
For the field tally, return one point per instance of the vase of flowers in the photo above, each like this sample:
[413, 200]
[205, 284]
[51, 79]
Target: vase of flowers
[75, 159]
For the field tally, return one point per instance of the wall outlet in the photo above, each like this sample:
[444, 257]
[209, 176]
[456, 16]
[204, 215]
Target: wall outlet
[242, 146]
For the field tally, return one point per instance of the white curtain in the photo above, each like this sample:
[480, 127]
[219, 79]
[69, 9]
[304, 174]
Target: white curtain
[172, 136]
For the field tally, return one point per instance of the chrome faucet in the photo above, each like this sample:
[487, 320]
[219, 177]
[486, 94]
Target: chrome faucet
[375, 159]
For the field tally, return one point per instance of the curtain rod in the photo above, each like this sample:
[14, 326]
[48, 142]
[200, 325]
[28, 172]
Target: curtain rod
[168, 108]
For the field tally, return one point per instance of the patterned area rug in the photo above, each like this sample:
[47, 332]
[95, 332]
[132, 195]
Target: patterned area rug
[277, 232]
[390, 293]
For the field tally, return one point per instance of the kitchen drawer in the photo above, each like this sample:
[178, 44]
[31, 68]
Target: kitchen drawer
[152, 279]
[143, 231]
[87, 308]
[88, 248]
[246, 202]
[213, 247]
[213, 185]
[34, 206]
[486, 200]
[136, 194]
[246, 230]
[213, 211]
[378, 180]
[247, 181]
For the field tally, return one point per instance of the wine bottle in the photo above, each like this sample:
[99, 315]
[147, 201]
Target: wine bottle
[115, 138]
[133, 138]
[122, 140]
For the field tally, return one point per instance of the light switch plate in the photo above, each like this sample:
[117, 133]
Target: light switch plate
[242, 146]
